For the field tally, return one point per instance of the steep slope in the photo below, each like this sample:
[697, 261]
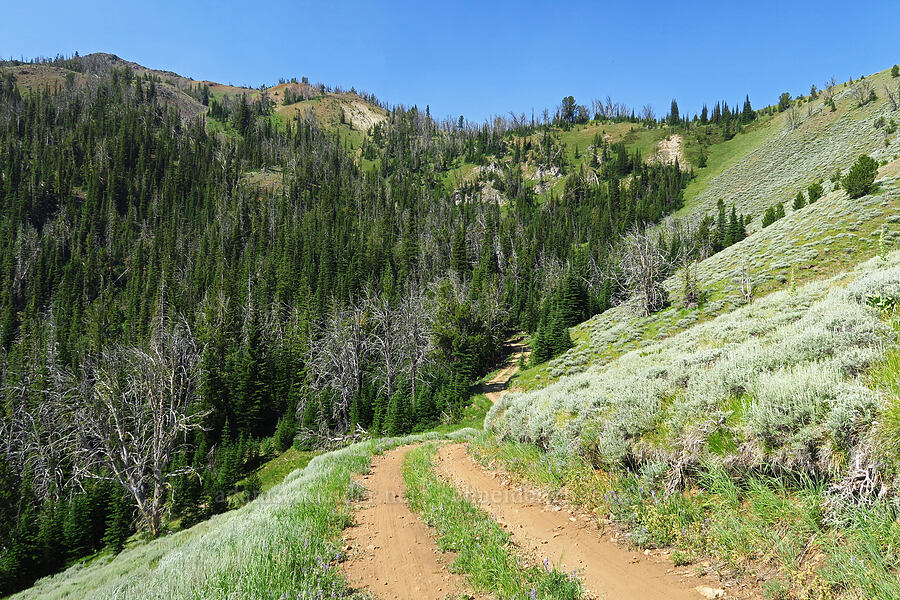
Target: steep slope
[768, 164]
[779, 161]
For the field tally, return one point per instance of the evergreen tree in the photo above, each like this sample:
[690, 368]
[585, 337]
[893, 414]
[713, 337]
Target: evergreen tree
[748, 114]
[815, 191]
[799, 200]
[119, 522]
[860, 178]
[673, 118]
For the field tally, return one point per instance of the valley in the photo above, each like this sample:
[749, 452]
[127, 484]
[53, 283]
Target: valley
[292, 341]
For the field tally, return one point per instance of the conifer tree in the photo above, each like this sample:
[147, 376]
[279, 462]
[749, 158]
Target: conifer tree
[674, 118]
[748, 114]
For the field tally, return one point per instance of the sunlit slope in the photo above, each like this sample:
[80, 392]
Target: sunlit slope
[771, 162]
[767, 164]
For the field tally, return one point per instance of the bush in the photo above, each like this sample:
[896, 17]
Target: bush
[895, 71]
[860, 179]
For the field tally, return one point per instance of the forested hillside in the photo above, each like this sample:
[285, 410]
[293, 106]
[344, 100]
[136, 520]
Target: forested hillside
[190, 278]
[196, 278]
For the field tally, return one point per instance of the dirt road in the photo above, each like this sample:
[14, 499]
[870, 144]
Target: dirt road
[393, 556]
[497, 386]
[391, 553]
[571, 543]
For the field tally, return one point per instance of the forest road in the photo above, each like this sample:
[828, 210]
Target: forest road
[497, 386]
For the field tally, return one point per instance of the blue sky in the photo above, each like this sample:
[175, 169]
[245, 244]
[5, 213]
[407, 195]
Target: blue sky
[483, 58]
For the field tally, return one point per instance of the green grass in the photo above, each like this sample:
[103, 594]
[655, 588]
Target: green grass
[483, 549]
[286, 543]
[273, 472]
[724, 155]
[472, 415]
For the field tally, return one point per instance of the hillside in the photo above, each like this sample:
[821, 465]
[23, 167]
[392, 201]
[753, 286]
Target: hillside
[205, 285]
[753, 171]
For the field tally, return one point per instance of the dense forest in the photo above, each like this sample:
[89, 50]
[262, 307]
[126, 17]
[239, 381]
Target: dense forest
[146, 275]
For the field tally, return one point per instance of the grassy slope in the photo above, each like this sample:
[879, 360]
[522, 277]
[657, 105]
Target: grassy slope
[765, 165]
[287, 542]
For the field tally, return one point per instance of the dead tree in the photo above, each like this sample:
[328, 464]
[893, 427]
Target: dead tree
[893, 96]
[828, 92]
[746, 282]
[793, 117]
[643, 267]
[415, 330]
[337, 360]
[385, 341]
[862, 92]
[132, 414]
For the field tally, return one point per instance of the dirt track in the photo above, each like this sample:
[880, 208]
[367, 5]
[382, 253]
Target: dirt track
[606, 569]
[497, 386]
[392, 554]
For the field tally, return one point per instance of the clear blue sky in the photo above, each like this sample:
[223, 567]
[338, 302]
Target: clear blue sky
[482, 58]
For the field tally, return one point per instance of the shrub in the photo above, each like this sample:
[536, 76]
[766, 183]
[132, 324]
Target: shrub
[799, 201]
[895, 71]
[860, 179]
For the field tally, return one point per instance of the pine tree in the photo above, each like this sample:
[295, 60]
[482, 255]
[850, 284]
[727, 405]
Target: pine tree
[119, 522]
[733, 234]
[459, 258]
[674, 118]
[815, 191]
[799, 200]
[748, 114]
[721, 226]
[860, 178]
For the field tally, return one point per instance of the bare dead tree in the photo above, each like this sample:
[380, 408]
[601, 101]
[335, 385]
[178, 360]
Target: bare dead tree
[792, 116]
[36, 439]
[893, 96]
[415, 329]
[132, 411]
[643, 267]
[862, 91]
[647, 113]
[746, 282]
[337, 360]
[828, 92]
[385, 340]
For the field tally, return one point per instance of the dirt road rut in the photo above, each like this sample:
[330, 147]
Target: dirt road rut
[607, 570]
[391, 552]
